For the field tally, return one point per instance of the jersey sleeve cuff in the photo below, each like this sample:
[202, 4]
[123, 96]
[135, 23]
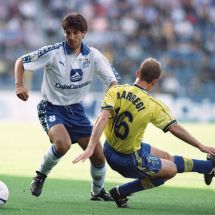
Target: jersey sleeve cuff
[166, 128]
[108, 107]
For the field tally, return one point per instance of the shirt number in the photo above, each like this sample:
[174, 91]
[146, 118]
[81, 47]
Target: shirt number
[121, 127]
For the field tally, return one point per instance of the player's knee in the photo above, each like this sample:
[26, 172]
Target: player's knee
[168, 170]
[97, 158]
[172, 171]
[168, 157]
[61, 146]
[98, 162]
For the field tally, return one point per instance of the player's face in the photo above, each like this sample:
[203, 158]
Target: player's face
[74, 38]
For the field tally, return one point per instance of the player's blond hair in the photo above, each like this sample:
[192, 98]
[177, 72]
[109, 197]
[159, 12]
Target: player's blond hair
[150, 69]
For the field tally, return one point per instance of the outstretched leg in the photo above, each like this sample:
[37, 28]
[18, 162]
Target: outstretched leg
[206, 167]
[147, 148]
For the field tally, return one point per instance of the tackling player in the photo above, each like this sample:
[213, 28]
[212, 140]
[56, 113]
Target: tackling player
[69, 69]
[126, 112]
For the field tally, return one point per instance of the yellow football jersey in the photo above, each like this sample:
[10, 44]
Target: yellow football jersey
[132, 109]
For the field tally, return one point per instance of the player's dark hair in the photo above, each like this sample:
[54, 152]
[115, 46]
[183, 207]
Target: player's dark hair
[150, 70]
[76, 21]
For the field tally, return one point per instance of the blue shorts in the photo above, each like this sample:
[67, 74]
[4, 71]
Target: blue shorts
[73, 117]
[136, 165]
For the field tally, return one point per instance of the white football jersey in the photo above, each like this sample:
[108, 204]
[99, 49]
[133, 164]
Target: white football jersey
[68, 77]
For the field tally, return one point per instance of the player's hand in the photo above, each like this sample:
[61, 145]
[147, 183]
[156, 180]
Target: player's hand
[84, 156]
[207, 149]
[22, 93]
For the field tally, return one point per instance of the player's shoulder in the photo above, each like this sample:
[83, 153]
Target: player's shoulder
[94, 51]
[52, 47]
[113, 88]
[125, 87]
[49, 48]
[157, 102]
[118, 87]
[43, 51]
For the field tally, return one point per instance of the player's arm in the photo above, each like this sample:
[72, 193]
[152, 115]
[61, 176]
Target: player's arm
[96, 135]
[21, 91]
[107, 74]
[181, 133]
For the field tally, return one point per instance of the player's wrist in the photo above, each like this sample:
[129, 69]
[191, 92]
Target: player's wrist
[201, 147]
[19, 84]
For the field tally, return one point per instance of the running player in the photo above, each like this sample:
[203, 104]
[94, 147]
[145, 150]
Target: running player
[126, 112]
[69, 68]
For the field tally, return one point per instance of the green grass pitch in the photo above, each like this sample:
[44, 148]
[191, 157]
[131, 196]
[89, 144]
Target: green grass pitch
[67, 190]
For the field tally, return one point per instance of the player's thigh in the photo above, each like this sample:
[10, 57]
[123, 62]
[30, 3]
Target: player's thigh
[60, 137]
[161, 154]
[83, 142]
[98, 156]
[168, 169]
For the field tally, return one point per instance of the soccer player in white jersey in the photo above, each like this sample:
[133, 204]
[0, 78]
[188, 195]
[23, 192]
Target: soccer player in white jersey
[69, 68]
[126, 112]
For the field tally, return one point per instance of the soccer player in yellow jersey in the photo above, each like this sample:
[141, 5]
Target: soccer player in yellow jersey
[126, 112]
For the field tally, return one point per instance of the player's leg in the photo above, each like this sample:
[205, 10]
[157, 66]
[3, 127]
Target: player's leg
[193, 165]
[52, 119]
[186, 164]
[154, 174]
[120, 193]
[149, 171]
[97, 170]
[161, 154]
[61, 143]
[206, 167]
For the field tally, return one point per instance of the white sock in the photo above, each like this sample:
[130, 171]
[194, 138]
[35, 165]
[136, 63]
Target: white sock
[98, 176]
[49, 160]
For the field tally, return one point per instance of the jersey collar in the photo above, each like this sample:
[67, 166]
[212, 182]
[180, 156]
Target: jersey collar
[84, 49]
[142, 88]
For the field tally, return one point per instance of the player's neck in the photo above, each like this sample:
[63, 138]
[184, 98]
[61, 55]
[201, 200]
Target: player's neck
[77, 51]
[142, 84]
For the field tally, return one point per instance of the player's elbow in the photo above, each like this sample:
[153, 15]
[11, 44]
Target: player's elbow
[19, 64]
[173, 128]
[178, 131]
[19, 60]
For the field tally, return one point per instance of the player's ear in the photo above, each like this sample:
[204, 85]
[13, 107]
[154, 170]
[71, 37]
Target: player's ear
[154, 82]
[137, 73]
[83, 34]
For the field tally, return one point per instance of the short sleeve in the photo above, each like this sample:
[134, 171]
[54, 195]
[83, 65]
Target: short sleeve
[103, 68]
[37, 59]
[109, 100]
[161, 116]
